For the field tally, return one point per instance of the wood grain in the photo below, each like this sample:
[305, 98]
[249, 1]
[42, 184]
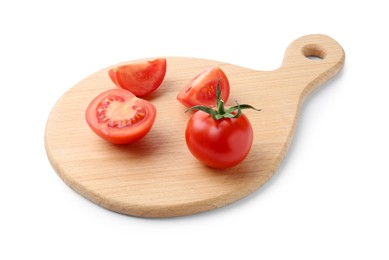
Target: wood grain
[157, 176]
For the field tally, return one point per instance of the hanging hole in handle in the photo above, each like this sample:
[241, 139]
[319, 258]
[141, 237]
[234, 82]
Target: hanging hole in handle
[314, 52]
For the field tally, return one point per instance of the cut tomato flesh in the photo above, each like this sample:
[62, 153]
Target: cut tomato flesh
[140, 78]
[120, 117]
[201, 90]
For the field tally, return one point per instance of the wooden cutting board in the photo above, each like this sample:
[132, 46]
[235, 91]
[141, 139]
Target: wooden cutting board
[157, 176]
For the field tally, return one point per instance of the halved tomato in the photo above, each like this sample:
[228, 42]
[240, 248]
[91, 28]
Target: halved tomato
[201, 90]
[141, 77]
[120, 117]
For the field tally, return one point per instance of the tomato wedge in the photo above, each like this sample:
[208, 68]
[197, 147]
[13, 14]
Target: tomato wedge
[119, 117]
[201, 90]
[141, 77]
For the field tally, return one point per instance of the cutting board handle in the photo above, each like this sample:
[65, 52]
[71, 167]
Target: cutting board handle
[313, 59]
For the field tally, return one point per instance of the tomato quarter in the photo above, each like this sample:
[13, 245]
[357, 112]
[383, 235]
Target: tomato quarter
[120, 117]
[201, 90]
[141, 77]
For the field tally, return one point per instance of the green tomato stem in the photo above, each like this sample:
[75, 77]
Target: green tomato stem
[220, 111]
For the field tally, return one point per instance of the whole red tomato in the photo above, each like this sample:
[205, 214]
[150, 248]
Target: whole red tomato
[219, 143]
[219, 137]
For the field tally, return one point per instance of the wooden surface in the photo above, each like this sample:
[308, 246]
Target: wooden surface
[157, 176]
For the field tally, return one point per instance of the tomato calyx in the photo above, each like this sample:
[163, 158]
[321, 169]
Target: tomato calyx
[220, 111]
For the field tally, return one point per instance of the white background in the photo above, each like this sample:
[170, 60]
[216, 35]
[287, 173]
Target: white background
[328, 200]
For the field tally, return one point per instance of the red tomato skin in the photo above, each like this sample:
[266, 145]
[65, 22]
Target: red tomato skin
[220, 143]
[121, 135]
[112, 75]
[201, 90]
[141, 77]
